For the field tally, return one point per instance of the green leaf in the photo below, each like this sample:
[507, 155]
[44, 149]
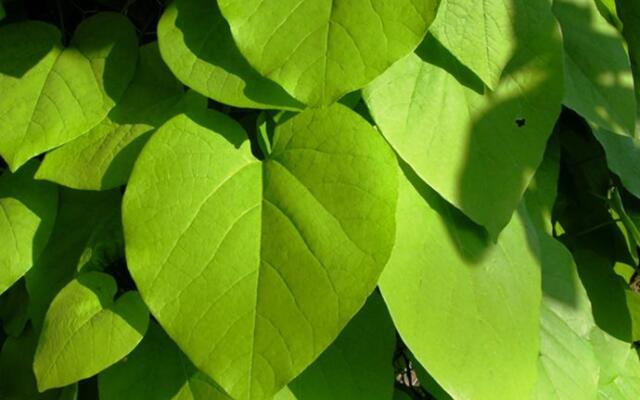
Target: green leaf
[16, 361]
[623, 157]
[568, 368]
[625, 223]
[157, 369]
[478, 150]
[2, 12]
[258, 269]
[466, 307]
[103, 158]
[319, 50]
[480, 34]
[28, 213]
[599, 84]
[53, 95]
[197, 45]
[85, 330]
[358, 364]
[285, 394]
[81, 215]
[14, 309]
[620, 367]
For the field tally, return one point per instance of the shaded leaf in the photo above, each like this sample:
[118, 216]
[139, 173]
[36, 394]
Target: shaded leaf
[157, 370]
[358, 364]
[599, 84]
[28, 213]
[80, 214]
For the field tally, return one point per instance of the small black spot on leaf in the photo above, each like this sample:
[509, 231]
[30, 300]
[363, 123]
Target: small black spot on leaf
[520, 122]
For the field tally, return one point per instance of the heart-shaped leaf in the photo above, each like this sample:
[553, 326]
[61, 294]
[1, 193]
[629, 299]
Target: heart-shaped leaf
[52, 95]
[319, 50]
[86, 331]
[256, 271]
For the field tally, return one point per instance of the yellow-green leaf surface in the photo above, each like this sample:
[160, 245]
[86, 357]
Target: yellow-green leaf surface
[86, 330]
[28, 213]
[480, 34]
[598, 79]
[319, 50]
[52, 95]
[252, 267]
[358, 364]
[81, 216]
[157, 370]
[477, 149]
[103, 158]
[197, 45]
[467, 308]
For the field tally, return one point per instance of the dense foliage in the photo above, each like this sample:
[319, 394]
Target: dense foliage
[319, 199]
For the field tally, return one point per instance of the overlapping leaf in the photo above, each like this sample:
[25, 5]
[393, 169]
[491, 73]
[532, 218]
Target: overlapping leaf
[79, 223]
[466, 307]
[196, 44]
[319, 50]
[85, 330]
[28, 213]
[479, 33]
[260, 265]
[599, 84]
[358, 364]
[477, 149]
[103, 158]
[52, 95]
[158, 370]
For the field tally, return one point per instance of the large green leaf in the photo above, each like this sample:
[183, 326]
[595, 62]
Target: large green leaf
[86, 330]
[255, 272]
[28, 213]
[81, 215]
[480, 34]
[157, 370]
[103, 158]
[52, 95]
[466, 307]
[319, 50]
[358, 364]
[197, 45]
[478, 150]
[599, 84]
